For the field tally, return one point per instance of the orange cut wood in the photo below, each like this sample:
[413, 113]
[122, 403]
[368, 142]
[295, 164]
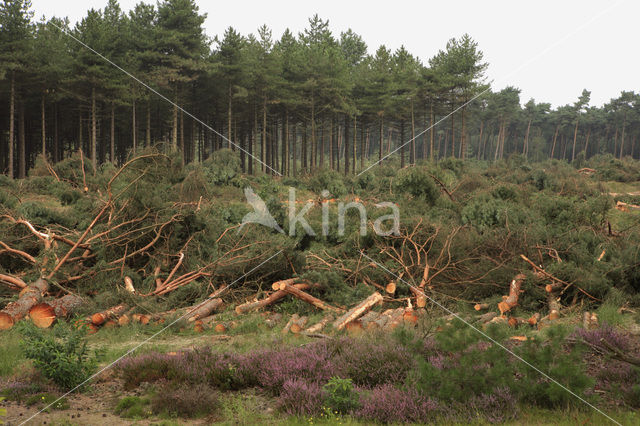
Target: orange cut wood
[42, 315]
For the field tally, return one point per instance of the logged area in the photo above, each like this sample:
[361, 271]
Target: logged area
[297, 229]
[491, 265]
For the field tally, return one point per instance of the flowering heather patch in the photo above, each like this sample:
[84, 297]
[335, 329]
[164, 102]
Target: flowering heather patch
[185, 400]
[147, 368]
[388, 404]
[370, 363]
[312, 363]
[301, 398]
[607, 333]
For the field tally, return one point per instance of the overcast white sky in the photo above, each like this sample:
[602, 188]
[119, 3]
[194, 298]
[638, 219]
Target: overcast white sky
[600, 55]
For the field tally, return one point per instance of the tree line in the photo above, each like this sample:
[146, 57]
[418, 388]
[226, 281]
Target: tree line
[301, 102]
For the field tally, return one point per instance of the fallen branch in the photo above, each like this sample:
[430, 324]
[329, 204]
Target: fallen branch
[558, 280]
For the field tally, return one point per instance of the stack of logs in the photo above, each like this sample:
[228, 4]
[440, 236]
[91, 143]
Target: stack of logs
[43, 312]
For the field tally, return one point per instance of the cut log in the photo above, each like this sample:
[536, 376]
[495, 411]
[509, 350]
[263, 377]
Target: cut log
[220, 328]
[128, 285]
[66, 306]
[293, 319]
[481, 306]
[511, 300]
[276, 285]
[306, 297]
[382, 319]
[204, 309]
[124, 320]
[484, 318]
[396, 319]
[319, 325]
[516, 321]
[550, 288]
[421, 298]
[368, 320]
[554, 307]
[141, 318]
[42, 315]
[111, 313]
[410, 317]
[27, 299]
[590, 320]
[298, 325]
[359, 310]
[533, 320]
[391, 287]
[272, 298]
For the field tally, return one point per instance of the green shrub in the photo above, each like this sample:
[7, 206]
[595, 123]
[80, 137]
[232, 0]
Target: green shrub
[221, 167]
[133, 407]
[60, 355]
[329, 180]
[418, 182]
[341, 395]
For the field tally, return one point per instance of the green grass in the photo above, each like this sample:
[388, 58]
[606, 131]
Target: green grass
[12, 360]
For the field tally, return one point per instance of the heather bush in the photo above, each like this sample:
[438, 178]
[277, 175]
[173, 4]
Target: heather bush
[301, 398]
[341, 397]
[605, 332]
[312, 363]
[370, 362]
[145, 368]
[185, 400]
[388, 404]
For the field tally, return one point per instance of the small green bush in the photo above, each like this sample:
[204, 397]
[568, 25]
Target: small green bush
[60, 355]
[133, 407]
[417, 182]
[341, 395]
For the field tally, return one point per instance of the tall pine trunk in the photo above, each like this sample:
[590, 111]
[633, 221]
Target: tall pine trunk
[12, 115]
[555, 138]
[22, 159]
[412, 155]
[94, 131]
[263, 149]
[575, 138]
[525, 146]
[134, 133]
[431, 126]
[44, 128]
[148, 134]
[112, 145]
[346, 144]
